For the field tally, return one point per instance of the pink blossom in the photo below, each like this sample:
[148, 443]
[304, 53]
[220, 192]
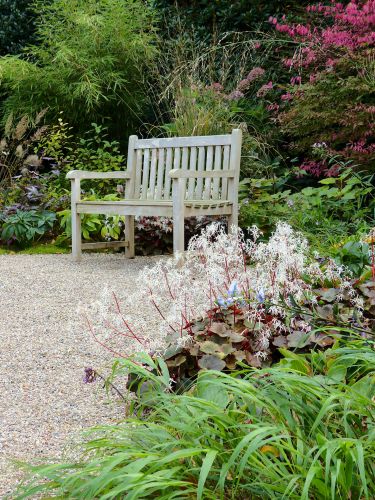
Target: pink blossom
[216, 87]
[273, 107]
[330, 62]
[313, 167]
[264, 89]
[350, 26]
[295, 80]
[287, 97]
[244, 85]
[235, 95]
[255, 73]
[288, 63]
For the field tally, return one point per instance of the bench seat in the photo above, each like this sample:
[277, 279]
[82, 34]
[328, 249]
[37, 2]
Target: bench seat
[154, 208]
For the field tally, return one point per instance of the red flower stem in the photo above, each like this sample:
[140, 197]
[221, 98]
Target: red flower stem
[118, 332]
[159, 311]
[169, 288]
[115, 353]
[124, 320]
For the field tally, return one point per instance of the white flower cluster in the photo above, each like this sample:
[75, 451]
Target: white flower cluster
[216, 266]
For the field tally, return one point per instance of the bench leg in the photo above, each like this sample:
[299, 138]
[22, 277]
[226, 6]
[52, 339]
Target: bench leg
[129, 236]
[178, 194]
[232, 222]
[178, 234]
[76, 235]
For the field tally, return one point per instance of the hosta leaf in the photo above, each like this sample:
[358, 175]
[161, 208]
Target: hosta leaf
[210, 362]
[337, 373]
[209, 392]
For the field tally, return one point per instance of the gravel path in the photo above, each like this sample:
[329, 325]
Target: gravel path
[44, 348]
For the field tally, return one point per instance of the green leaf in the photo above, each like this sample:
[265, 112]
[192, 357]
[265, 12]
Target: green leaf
[205, 470]
[329, 180]
[207, 390]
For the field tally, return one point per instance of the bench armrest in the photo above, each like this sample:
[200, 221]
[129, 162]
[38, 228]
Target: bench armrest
[84, 174]
[178, 173]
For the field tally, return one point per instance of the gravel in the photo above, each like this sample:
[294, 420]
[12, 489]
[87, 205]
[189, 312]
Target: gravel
[44, 348]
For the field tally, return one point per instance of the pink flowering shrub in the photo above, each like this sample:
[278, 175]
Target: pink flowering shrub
[331, 93]
[333, 30]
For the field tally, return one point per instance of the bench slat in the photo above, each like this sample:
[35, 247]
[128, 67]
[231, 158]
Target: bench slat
[145, 174]
[209, 163]
[224, 181]
[104, 244]
[216, 181]
[201, 158]
[192, 168]
[151, 189]
[138, 172]
[168, 167]
[160, 177]
[180, 142]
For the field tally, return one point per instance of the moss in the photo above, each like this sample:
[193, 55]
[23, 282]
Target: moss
[44, 248]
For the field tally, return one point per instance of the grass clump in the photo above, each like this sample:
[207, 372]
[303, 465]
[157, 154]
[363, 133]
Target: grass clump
[303, 429]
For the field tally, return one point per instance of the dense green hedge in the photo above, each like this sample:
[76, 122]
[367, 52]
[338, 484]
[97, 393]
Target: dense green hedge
[208, 16]
[16, 25]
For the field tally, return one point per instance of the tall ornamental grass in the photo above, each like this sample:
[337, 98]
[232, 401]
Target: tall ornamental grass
[303, 429]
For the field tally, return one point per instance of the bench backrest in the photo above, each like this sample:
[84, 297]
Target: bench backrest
[150, 160]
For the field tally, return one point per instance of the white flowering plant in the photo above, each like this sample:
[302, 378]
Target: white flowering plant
[235, 301]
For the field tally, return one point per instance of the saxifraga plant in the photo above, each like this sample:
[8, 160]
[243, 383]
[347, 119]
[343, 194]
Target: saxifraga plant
[301, 430]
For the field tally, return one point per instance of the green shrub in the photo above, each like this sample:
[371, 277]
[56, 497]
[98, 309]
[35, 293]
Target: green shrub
[335, 209]
[92, 226]
[24, 227]
[17, 28]
[301, 430]
[355, 255]
[210, 18]
[90, 61]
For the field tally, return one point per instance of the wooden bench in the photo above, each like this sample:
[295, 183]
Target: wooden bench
[174, 177]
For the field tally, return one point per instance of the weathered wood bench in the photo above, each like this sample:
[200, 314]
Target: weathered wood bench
[174, 177]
